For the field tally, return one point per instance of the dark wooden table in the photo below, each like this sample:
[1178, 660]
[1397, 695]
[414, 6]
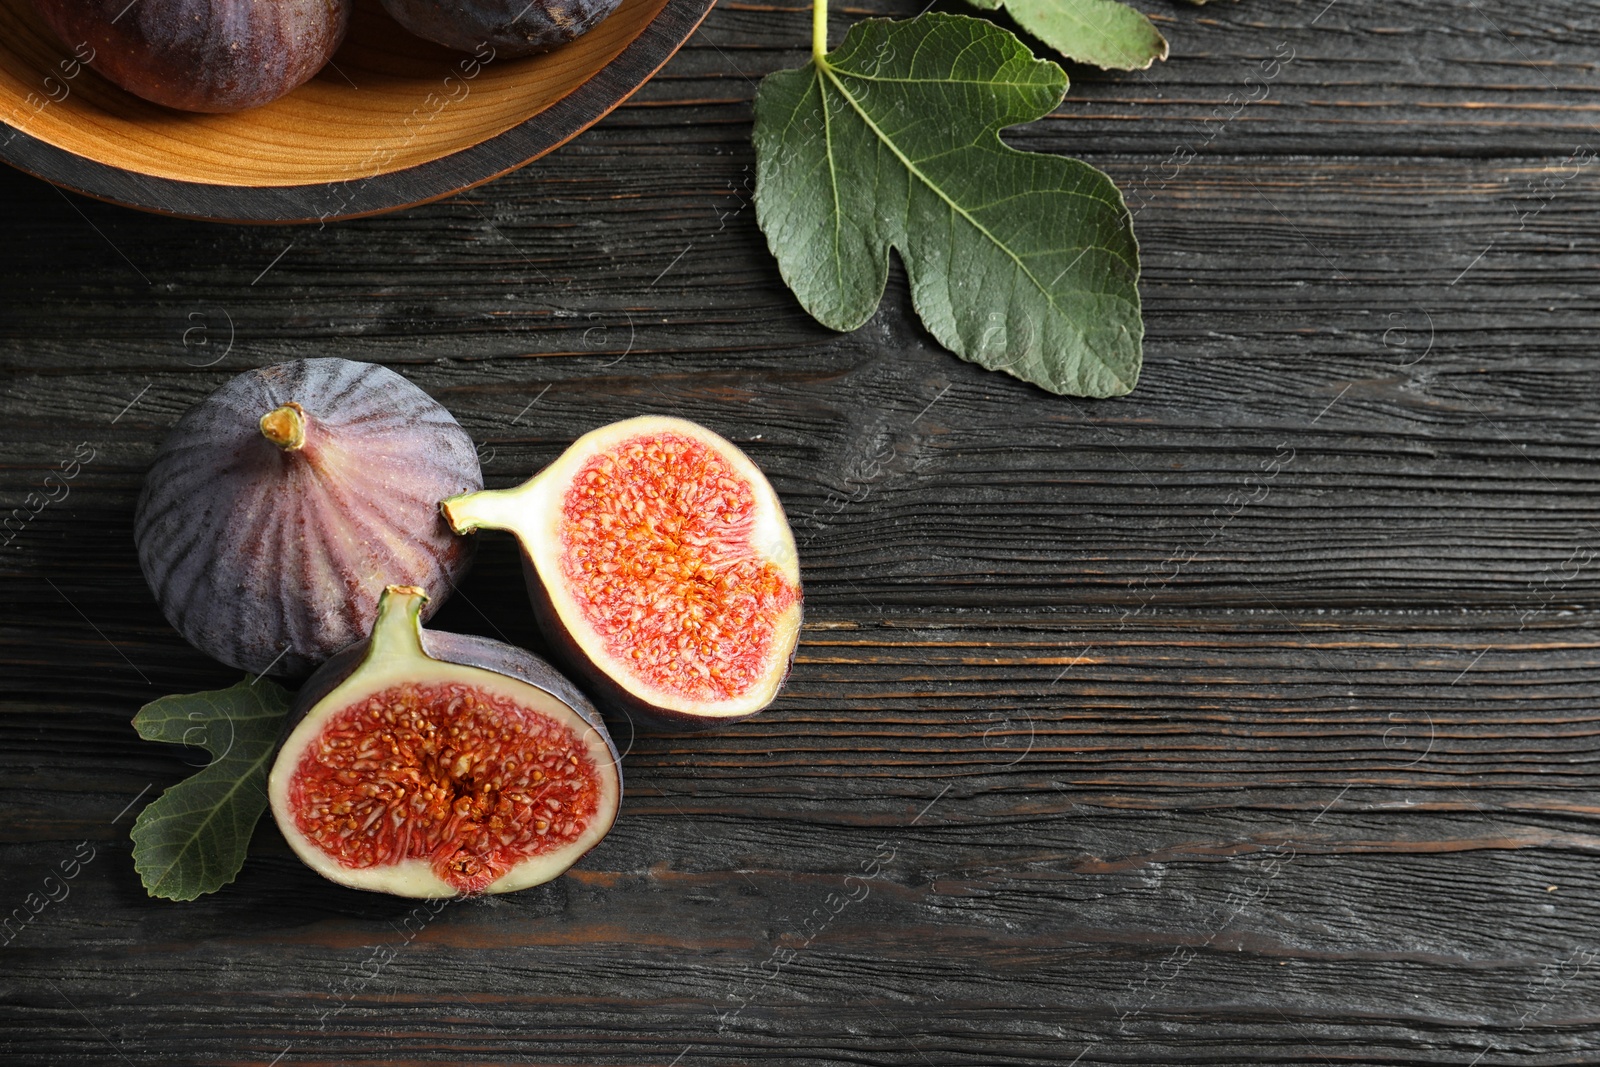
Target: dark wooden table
[1248, 719]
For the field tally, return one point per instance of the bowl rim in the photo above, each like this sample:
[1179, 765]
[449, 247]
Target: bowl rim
[322, 202]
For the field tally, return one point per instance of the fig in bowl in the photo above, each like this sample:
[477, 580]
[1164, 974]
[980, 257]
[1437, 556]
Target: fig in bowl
[428, 764]
[202, 55]
[661, 568]
[506, 27]
[280, 506]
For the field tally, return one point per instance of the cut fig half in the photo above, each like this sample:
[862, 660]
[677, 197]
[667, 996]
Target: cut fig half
[661, 568]
[428, 764]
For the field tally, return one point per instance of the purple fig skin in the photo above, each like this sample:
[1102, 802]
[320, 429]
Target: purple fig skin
[500, 28]
[202, 55]
[599, 684]
[272, 559]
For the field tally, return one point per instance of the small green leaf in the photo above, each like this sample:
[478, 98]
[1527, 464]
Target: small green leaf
[1102, 33]
[192, 839]
[1018, 261]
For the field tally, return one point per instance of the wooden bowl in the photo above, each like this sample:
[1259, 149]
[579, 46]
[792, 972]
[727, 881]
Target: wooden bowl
[392, 121]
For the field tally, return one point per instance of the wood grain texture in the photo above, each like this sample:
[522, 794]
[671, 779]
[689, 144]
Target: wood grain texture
[1249, 719]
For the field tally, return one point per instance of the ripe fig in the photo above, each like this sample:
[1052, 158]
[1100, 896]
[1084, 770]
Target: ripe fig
[428, 764]
[500, 27]
[661, 568]
[280, 506]
[202, 55]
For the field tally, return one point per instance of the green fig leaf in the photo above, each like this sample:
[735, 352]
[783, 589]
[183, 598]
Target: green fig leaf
[1102, 33]
[192, 839]
[1018, 261]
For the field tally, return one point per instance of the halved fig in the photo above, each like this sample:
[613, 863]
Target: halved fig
[430, 764]
[279, 507]
[661, 568]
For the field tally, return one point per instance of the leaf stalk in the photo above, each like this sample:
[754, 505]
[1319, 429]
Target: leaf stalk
[819, 29]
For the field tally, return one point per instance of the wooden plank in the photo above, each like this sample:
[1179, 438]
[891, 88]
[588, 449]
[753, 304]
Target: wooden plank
[1247, 719]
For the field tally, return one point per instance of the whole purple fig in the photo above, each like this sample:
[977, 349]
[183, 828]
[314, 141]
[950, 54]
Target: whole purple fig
[202, 55]
[280, 507]
[492, 28]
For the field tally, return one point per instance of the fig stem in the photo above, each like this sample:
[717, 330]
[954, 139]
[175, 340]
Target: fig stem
[397, 633]
[494, 509]
[285, 426]
[819, 28]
